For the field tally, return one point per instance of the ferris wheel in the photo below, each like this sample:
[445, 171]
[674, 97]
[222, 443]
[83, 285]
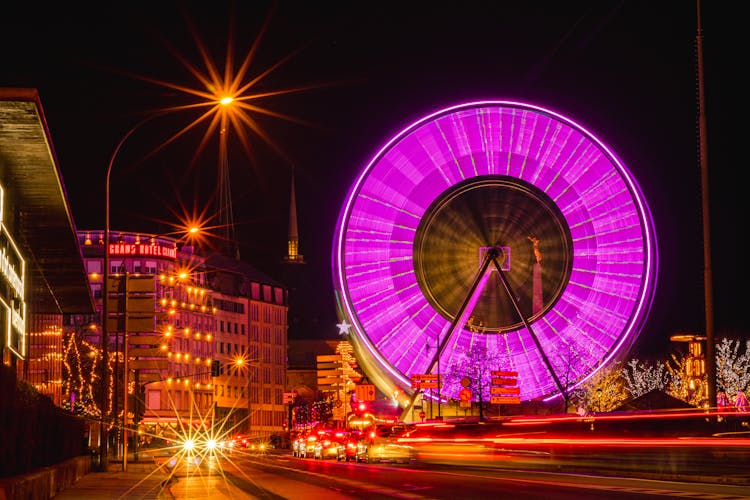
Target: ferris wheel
[500, 225]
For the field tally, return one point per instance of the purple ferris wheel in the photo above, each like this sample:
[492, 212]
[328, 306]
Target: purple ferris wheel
[498, 225]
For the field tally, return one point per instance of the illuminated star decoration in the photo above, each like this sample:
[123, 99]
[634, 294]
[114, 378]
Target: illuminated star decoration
[344, 328]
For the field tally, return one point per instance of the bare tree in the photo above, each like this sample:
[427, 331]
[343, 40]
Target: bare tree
[476, 364]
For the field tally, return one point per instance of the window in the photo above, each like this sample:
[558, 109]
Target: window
[94, 266]
[137, 266]
[243, 329]
[116, 266]
[154, 400]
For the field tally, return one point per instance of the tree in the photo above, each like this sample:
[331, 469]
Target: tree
[732, 367]
[563, 362]
[641, 378]
[604, 391]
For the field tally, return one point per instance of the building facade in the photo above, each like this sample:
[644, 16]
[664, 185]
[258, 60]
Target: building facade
[170, 326]
[252, 315]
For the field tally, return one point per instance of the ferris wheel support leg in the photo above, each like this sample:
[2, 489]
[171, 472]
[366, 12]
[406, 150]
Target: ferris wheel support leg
[488, 258]
[526, 323]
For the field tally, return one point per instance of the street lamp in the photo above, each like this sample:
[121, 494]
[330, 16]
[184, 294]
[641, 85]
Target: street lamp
[103, 433]
[219, 101]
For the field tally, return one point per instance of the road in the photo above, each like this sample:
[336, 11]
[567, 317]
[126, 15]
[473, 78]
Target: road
[279, 475]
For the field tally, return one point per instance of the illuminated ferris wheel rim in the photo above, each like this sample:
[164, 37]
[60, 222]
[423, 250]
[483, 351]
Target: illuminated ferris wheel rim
[645, 295]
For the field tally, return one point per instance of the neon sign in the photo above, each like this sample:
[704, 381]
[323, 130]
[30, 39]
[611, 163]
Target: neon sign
[137, 249]
[12, 301]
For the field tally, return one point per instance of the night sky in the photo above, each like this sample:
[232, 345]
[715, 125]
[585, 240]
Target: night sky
[624, 70]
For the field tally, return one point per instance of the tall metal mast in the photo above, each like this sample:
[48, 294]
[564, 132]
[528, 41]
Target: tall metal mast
[707, 270]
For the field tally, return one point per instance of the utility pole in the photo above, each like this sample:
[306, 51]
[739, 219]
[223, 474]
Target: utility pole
[707, 269]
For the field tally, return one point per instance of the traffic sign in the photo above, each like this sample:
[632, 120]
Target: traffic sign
[505, 390]
[329, 381]
[496, 373]
[365, 392]
[504, 381]
[464, 394]
[426, 385]
[505, 400]
[327, 358]
[149, 364]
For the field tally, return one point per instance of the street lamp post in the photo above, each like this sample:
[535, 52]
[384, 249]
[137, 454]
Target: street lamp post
[103, 433]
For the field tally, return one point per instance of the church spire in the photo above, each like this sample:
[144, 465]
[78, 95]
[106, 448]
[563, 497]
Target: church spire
[293, 256]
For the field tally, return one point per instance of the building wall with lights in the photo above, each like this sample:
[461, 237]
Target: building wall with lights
[252, 314]
[171, 377]
[42, 275]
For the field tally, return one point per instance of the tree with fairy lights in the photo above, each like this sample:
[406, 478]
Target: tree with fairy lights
[603, 392]
[642, 377]
[732, 367]
[80, 375]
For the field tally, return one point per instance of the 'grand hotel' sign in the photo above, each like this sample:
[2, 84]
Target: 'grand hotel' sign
[142, 250]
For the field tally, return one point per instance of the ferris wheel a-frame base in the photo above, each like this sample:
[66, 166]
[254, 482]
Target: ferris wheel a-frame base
[491, 255]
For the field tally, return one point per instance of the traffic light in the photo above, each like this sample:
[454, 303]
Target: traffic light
[215, 368]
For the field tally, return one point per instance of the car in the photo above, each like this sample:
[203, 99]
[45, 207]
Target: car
[346, 446]
[258, 446]
[307, 447]
[241, 441]
[297, 445]
[326, 446]
[381, 444]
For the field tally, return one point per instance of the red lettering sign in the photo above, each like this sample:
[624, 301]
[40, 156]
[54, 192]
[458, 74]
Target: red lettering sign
[127, 249]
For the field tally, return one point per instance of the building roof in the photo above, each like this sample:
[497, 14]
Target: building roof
[232, 265]
[44, 227]
[654, 400]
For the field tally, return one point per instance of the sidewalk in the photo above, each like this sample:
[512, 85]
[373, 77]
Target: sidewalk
[147, 481]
